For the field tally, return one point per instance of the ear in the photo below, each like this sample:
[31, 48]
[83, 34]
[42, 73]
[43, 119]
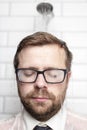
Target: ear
[69, 74]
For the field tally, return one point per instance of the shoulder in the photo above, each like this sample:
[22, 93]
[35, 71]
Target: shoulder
[10, 123]
[6, 124]
[76, 121]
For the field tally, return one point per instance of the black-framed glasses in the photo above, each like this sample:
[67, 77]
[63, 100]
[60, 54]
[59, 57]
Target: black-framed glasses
[52, 76]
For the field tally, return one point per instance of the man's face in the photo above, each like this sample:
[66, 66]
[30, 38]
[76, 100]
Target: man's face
[42, 100]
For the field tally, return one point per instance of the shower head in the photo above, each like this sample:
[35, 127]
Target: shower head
[44, 8]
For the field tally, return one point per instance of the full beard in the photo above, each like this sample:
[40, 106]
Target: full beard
[42, 111]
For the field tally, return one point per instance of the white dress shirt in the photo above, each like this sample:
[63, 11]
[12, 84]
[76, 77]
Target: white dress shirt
[57, 122]
[63, 120]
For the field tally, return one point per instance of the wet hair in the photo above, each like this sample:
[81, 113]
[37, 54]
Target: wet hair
[40, 39]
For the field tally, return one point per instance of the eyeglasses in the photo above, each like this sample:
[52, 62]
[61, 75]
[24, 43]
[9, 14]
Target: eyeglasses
[51, 76]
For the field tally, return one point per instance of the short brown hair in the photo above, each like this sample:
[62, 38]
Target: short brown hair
[40, 39]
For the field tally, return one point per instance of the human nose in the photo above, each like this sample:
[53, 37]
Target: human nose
[40, 81]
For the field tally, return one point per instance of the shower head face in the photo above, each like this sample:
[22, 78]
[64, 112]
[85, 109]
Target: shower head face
[44, 8]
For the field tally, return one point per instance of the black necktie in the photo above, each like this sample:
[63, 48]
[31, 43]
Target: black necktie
[42, 128]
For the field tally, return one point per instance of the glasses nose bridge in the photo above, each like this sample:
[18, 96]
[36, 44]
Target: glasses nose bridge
[40, 73]
[40, 81]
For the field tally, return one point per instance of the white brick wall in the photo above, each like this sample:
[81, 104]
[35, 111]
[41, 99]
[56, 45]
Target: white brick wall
[18, 18]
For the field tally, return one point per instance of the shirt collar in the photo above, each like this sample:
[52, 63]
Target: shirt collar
[56, 122]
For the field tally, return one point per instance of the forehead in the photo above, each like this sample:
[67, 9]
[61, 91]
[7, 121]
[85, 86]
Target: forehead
[42, 56]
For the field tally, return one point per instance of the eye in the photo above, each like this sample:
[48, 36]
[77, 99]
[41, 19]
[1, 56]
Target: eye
[29, 73]
[52, 73]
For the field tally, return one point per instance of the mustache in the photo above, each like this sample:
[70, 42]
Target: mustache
[40, 93]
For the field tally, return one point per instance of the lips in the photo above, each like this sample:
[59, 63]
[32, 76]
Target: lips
[40, 99]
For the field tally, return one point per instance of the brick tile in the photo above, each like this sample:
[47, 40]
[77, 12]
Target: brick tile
[7, 54]
[79, 72]
[75, 39]
[79, 55]
[78, 106]
[8, 88]
[12, 105]
[16, 37]
[1, 104]
[24, 8]
[3, 38]
[68, 24]
[16, 23]
[4, 9]
[2, 70]
[80, 89]
[75, 9]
